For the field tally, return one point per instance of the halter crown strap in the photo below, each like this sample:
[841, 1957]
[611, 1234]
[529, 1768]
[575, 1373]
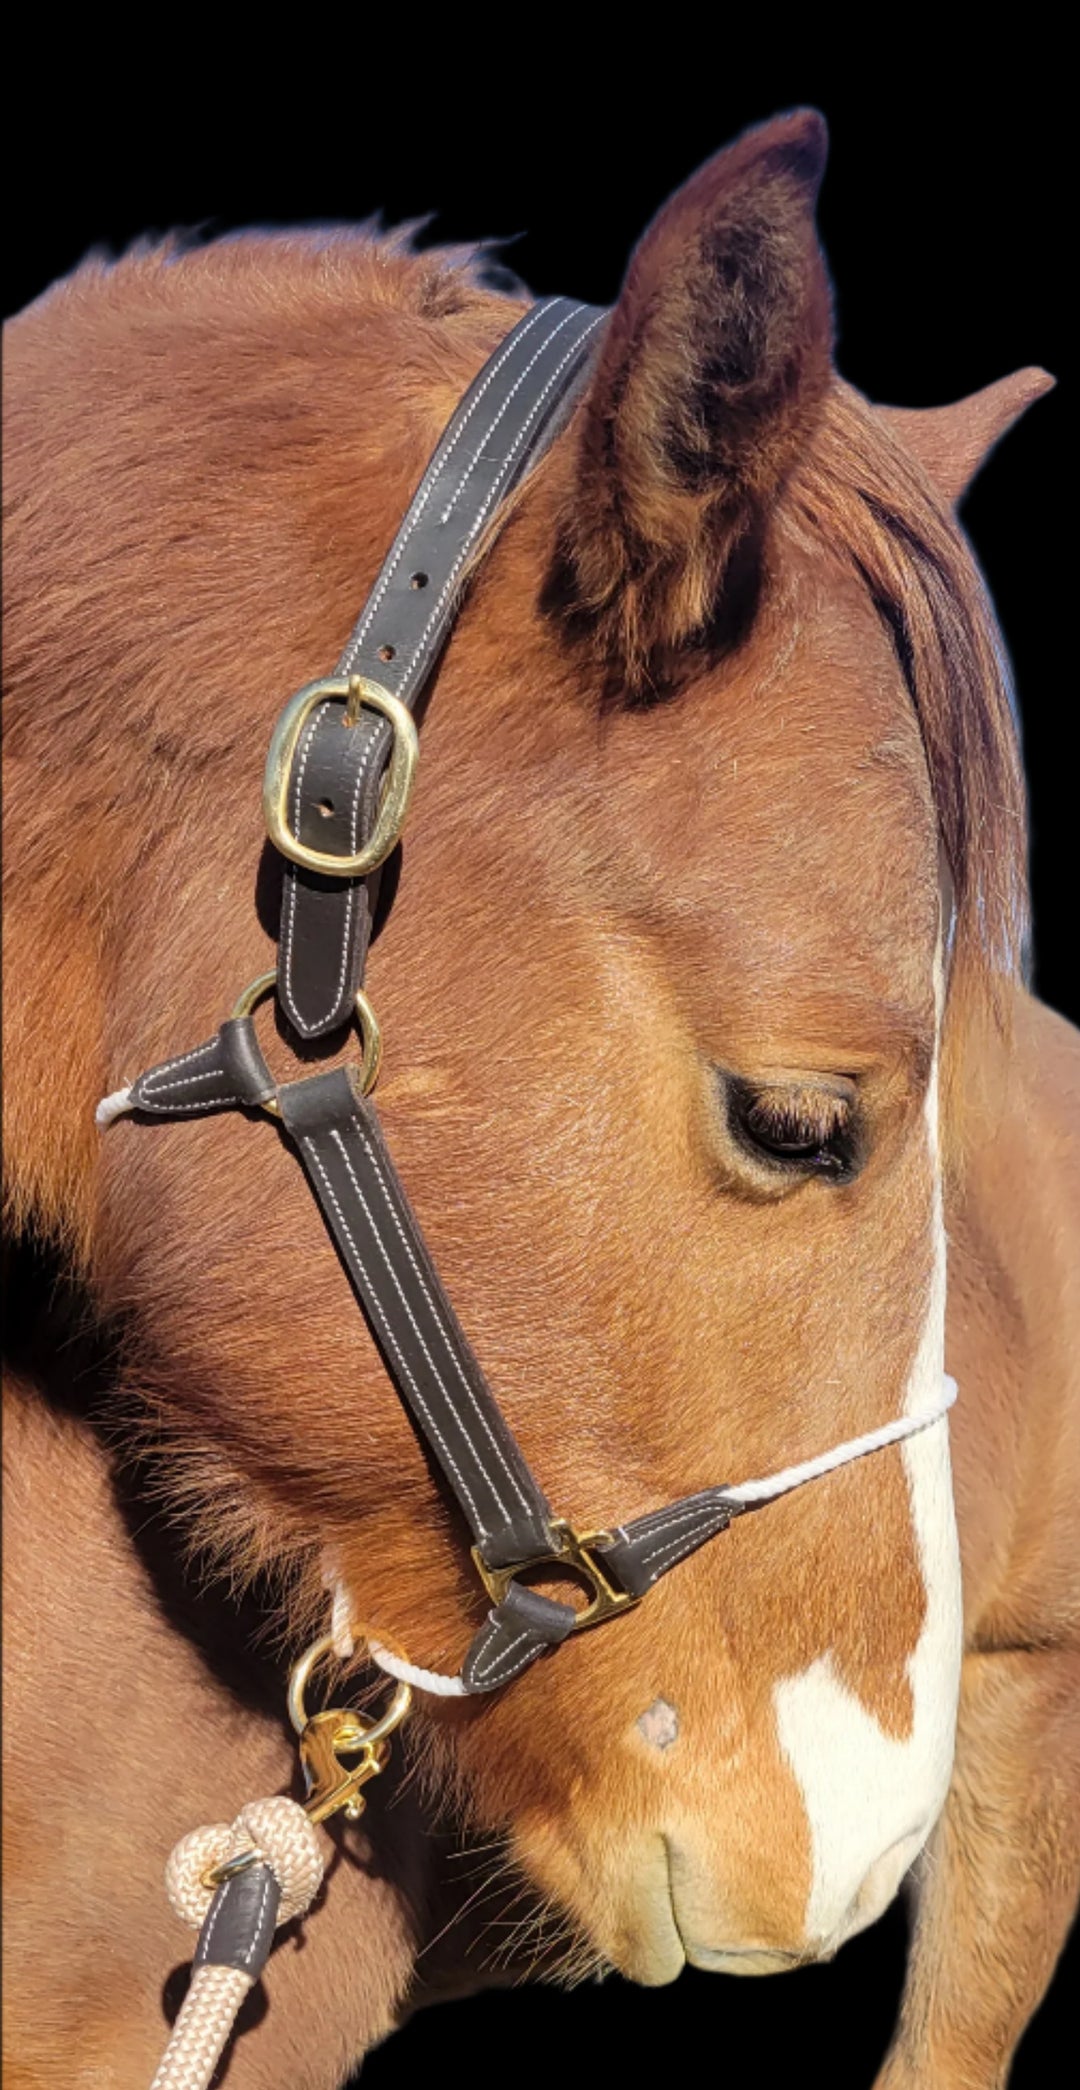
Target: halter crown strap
[505, 422]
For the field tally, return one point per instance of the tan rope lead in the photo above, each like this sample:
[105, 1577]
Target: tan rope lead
[236, 1883]
[201, 2031]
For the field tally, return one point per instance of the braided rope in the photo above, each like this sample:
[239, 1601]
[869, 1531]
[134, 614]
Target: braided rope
[278, 1829]
[112, 1107]
[202, 2028]
[281, 1835]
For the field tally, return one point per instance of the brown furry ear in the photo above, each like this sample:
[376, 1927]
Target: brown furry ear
[713, 368]
[952, 443]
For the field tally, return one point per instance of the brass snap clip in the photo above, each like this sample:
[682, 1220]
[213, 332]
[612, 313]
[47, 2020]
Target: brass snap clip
[337, 1731]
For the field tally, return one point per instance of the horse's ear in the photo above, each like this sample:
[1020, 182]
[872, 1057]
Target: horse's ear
[952, 443]
[712, 372]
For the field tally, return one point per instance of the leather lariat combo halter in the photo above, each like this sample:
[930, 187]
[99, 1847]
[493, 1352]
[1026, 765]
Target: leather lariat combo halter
[338, 779]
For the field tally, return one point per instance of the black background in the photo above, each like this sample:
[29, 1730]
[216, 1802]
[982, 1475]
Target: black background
[944, 216]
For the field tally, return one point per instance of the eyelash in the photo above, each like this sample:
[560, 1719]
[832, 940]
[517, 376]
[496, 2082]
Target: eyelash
[799, 1133]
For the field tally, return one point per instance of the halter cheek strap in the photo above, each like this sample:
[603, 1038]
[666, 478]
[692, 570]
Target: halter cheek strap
[338, 780]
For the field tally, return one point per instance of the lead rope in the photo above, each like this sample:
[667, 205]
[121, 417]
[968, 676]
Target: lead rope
[284, 1866]
[236, 1883]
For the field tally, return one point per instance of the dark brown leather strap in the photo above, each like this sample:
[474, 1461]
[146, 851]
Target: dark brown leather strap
[639, 1553]
[503, 425]
[525, 1624]
[227, 1070]
[339, 1140]
[238, 1929]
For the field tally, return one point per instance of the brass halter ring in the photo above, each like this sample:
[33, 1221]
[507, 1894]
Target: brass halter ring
[302, 1671]
[370, 1032]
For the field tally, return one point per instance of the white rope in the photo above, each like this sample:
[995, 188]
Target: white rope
[789, 1477]
[112, 1107]
[344, 1640]
[421, 1679]
[341, 1616]
[841, 1455]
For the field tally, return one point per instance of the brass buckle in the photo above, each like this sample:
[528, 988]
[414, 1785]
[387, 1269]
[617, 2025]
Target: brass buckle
[370, 1032]
[572, 1549]
[358, 691]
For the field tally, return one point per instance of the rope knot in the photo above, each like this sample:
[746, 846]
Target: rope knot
[278, 1829]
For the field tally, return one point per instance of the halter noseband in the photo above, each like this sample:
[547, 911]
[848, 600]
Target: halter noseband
[338, 780]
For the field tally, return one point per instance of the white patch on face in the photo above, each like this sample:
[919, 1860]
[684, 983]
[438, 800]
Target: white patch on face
[870, 1799]
[659, 1725]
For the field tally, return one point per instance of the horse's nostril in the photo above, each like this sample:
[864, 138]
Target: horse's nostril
[659, 1724]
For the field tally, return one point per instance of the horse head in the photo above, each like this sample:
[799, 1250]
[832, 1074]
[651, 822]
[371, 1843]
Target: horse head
[715, 858]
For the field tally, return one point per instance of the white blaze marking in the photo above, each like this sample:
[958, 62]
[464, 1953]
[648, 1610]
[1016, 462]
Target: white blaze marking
[870, 1799]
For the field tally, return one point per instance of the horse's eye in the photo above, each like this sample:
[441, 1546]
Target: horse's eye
[805, 1130]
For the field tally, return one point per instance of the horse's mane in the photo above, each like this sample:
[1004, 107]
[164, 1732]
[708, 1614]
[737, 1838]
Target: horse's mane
[289, 275]
[862, 491]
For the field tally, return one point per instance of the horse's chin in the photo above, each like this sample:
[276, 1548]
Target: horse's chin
[656, 1910]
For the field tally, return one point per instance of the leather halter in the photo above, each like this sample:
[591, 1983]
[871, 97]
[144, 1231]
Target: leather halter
[338, 780]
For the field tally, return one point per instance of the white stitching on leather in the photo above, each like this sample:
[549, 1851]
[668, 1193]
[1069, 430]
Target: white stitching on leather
[435, 470]
[173, 1110]
[312, 1149]
[185, 1058]
[256, 1927]
[665, 1520]
[214, 1913]
[400, 1289]
[444, 1331]
[186, 1081]
[515, 387]
[688, 1539]
[354, 824]
[482, 511]
[424, 492]
[346, 927]
[501, 1656]
[352, 649]
[286, 975]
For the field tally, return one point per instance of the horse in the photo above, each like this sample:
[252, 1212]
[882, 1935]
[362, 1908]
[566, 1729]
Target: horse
[714, 1077]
